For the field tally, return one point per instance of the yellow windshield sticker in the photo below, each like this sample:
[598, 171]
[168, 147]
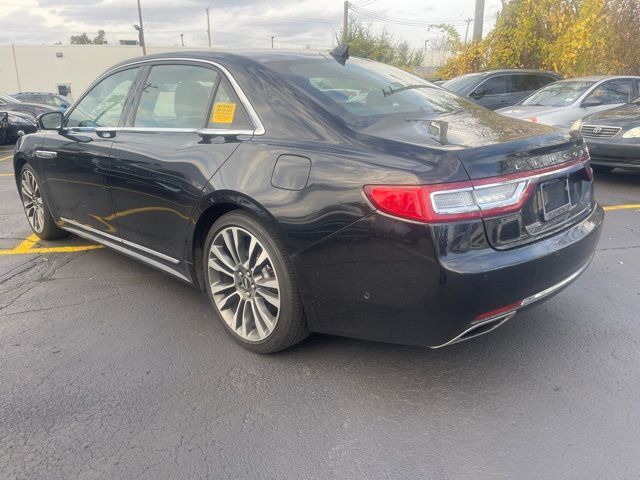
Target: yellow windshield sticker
[223, 112]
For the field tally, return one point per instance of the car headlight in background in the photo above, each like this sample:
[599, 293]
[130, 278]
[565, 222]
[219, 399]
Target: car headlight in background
[633, 133]
[577, 125]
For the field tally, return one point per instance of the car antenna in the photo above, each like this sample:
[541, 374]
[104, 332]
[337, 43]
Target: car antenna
[340, 53]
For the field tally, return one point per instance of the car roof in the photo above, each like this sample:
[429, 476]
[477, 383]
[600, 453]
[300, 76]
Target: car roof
[260, 56]
[517, 70]
[598, 78]
[38, 93]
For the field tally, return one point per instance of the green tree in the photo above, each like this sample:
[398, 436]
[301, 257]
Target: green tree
[99, 40]
[382, 47]
[82, 39]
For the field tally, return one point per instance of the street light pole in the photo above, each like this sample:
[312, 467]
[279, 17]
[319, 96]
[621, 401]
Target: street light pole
[208, 28]
[141, 30]
[272, 37]
[182, 39]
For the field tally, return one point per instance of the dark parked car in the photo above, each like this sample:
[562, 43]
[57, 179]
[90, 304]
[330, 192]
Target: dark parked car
[495, 89]
[307, 193]
[14, 124]
[52, 99]
[10, 104]
[613, 137]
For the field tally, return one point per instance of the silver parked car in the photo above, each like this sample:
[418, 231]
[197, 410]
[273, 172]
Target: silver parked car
[561, 103]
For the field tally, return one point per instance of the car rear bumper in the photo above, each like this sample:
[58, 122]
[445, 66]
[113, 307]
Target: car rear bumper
[394, 285]
[614, 153]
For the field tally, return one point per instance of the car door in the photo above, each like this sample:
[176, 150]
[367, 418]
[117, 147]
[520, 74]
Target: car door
[492, 93]
[76, 160]
[176, 138]
[520, 86]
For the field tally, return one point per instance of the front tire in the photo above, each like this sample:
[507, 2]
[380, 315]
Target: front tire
[252, 285]
[35, 207]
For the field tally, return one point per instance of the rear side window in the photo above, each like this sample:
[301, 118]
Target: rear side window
[493, 86]
[103, 105]
[523, 83]
[227, 111]
[543, 80]
[176, 96]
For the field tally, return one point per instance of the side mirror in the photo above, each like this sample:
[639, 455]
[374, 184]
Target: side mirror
[50, 121]
[592, 102]
[479, 93]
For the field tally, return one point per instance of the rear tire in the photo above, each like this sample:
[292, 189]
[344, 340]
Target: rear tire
[252, 285]
[601, 168]
[35, 206]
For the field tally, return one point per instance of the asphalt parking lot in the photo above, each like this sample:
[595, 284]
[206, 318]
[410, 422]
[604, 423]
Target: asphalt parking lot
[109, 369]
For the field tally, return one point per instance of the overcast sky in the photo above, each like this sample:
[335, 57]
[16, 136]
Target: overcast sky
[234, 23]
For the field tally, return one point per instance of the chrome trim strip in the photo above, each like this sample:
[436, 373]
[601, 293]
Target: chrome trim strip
[199, 131]
[119, 248]
[259, 130]
[121, 240]
[548, 291]
[46, 154]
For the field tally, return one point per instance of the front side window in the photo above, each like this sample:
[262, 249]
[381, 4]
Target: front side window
[103, 105]
[492, 86]
[176, 96]
[614, 91]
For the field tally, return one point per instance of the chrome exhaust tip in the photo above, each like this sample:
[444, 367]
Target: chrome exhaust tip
[480, 328]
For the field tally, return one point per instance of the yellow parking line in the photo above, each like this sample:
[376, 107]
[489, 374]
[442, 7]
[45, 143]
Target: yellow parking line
[29, 247]
[626, 206]
[6, 158]
[6, 174]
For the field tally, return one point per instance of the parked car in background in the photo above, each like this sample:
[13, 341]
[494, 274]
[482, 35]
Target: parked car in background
[306, 193]
[13, 123]
[52, 99]
[613, 137]
[10, 104]
[495, 89]
[562, 103]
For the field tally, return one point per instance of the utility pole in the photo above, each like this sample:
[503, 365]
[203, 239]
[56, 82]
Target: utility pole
[208, 28]
[466, 34]
[272, 41]
[182, 39]
[477, 21]
[141, 31]
[345, 22]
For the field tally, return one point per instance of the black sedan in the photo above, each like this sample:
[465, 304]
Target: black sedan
[613, 137]
[315, 192]
[14, 124]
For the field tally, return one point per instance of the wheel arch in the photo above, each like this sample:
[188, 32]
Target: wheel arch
[19, 161]
[210, 209]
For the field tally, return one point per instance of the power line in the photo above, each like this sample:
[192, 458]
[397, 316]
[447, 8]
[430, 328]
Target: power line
[412, 23]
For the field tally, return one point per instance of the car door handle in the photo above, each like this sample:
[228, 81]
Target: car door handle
[105, 133]
[46, 154]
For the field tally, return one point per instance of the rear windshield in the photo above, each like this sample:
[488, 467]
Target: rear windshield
[462, 83]
[363, 91]
[559, 94]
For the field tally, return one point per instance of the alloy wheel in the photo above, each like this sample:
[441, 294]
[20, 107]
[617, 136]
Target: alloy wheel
[32, 201]
[244, 284]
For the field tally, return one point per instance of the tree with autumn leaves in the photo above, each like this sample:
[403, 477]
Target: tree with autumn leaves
[571, 37]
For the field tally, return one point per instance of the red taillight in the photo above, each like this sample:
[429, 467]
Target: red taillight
[448, 202]
[401, 201]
